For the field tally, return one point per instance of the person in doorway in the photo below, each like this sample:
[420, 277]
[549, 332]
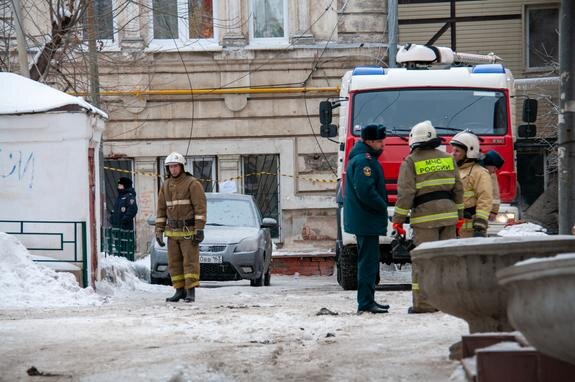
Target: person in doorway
[493, 162]
[121, 236]
[478, 192]
[126, 207]
[430, 191]
[181, 217]
[365, 212]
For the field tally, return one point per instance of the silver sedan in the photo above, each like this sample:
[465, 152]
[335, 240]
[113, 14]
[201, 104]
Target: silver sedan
[237, 243]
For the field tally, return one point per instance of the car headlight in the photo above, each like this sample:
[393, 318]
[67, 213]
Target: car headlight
[505, 217]
[247, 245]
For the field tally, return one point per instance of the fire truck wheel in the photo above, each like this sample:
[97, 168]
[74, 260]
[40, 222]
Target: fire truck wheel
[347, 268]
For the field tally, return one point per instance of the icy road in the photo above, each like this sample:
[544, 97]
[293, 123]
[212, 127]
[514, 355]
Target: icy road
[233, 332]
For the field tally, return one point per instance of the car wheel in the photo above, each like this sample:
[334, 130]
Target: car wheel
[267, 277]
[258, 282]
[348, 268]
[156, 280]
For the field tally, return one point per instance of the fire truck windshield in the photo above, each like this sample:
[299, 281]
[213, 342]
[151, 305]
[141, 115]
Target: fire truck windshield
[450, 110]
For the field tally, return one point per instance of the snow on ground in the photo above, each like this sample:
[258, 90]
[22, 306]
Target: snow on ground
[121, 277]
[524, 229]
[25, 284]
[232, 332]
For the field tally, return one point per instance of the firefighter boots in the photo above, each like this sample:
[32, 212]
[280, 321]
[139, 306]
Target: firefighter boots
[190, 295]
[180, 294]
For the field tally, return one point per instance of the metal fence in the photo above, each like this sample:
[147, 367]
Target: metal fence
[118, 242]
[64, 241]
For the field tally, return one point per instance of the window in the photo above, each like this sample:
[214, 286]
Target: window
[542, 37]
[261, 180]
[103, 22]
[182, 20]
[202, 167]
[450, 110]
[269, 20]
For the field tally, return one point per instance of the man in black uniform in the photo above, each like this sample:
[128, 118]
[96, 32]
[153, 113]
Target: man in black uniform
[365, 212]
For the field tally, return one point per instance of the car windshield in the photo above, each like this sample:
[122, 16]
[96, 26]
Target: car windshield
[484, 112]
[231, 212]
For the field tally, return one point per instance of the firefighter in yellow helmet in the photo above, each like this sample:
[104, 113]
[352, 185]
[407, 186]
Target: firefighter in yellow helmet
[478, 190]
[430, 191]
[181, 216]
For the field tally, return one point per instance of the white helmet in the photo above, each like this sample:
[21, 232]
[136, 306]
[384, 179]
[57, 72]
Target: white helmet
[421, 133]
[174, 158]
[469, 142]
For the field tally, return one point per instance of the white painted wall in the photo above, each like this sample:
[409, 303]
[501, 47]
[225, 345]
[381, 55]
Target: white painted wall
[44, 175]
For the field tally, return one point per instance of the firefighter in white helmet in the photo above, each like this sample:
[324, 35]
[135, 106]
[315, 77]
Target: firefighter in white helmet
[478, 194]
[181, 216]
[430, 191]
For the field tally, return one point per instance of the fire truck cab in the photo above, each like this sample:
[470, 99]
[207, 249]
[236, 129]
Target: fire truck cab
[433, 85]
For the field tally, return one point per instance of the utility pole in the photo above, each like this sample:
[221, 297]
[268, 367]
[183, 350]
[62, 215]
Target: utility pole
[391, 32]
[566, 134]
[20, 39]
[92, 54]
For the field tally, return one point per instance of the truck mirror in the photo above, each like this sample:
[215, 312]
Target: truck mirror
[529, 110]
[325, 114]
[328, 131]
[526, 131]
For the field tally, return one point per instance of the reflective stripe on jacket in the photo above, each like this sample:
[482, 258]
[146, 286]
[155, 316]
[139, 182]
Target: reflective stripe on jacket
[181, 199]
[422, 172]
[478, 191]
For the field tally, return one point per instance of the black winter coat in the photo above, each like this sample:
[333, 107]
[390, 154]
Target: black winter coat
[125, 210]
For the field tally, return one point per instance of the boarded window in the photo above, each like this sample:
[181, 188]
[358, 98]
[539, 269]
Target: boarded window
[268, 18]
[542, 37]
[200, 16]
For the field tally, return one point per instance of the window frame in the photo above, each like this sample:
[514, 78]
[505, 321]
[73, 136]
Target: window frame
[526, 12]
[266, 42]
[183, 42]
[108, 45]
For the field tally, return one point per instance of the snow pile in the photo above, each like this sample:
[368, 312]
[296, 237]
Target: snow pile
[121, 276]
[524, 229]
[534, 260]
[25, 284]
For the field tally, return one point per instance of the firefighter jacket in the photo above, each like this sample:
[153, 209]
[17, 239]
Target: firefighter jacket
[495, 193]
[365, 197]
[181, 206]
[478, 193]
[430, 188]
[125, 210]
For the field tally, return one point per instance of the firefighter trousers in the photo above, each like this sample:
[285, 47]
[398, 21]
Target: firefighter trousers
[183, 262]
[367, 270]
[423, 235]
[468, 231]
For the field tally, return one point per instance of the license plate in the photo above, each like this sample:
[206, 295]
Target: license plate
[211, 259]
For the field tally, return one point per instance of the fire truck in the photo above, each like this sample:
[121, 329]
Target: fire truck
[456, 92]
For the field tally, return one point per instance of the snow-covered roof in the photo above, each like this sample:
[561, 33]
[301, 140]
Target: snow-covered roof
[21, 95]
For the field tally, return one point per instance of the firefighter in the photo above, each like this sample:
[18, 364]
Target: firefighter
[365, 212]
[430, 191]
[493, 162]
[181, 216]
[478, 192]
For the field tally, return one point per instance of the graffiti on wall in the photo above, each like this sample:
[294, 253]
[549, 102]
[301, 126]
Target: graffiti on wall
[17, 168]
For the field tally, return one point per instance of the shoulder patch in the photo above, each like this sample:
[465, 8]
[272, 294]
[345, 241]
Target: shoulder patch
[367, 171]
